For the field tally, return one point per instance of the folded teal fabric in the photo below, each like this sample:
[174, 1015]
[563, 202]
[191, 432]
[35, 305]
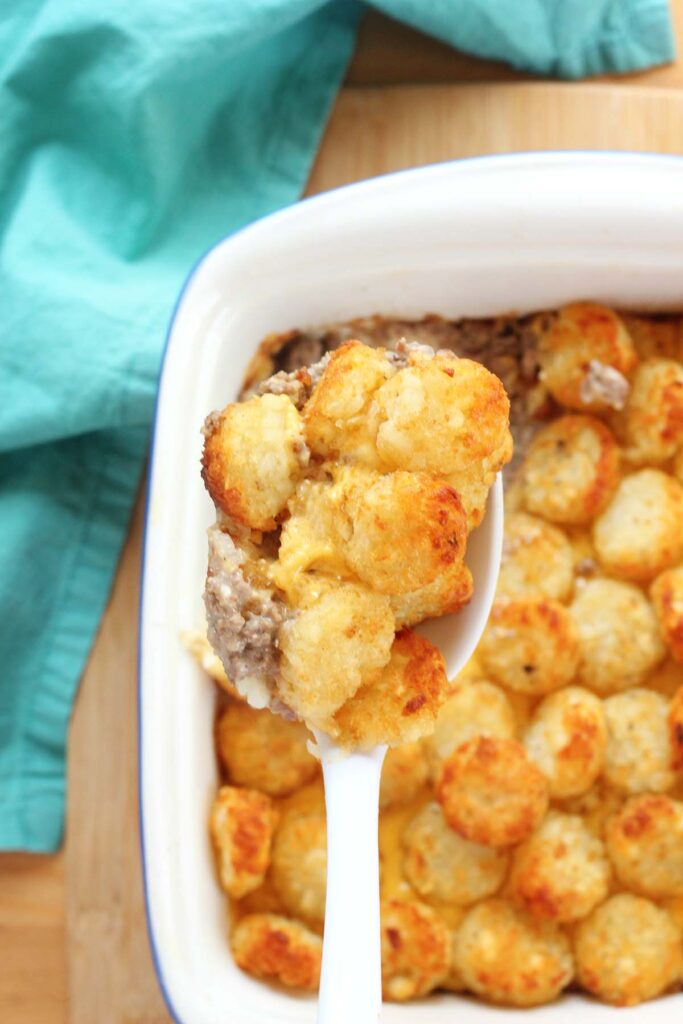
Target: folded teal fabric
[134, 136]
[567, 38]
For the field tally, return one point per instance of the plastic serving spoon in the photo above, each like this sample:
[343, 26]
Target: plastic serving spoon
[351, 977]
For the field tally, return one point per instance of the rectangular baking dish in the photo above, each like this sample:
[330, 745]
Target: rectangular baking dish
[471, 238]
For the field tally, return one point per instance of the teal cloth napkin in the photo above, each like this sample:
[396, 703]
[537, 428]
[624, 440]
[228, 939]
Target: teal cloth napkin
[134, 136]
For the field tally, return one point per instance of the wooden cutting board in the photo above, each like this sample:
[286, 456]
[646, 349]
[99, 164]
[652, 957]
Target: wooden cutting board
[372, 131]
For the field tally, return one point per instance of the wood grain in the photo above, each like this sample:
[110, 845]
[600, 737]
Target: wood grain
[373, 131]
[111, 978]
[90, 896]
[33, 986]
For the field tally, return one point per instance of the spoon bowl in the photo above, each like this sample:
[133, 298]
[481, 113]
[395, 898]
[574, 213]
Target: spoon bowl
[350, 981]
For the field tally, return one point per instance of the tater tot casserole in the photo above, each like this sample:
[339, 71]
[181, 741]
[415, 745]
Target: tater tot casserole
[531, 809]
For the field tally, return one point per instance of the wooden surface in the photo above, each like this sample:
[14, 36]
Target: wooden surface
[72, 931]
[373, 131]
[33, 988]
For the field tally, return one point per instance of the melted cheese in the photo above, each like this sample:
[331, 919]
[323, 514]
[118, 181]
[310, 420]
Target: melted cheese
[392, 823]
[308, 543]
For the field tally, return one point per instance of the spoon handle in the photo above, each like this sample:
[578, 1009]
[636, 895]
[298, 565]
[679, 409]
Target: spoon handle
[351, 977]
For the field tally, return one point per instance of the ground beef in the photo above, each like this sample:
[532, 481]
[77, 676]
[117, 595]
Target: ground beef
[299, 383]
[296, 384]
[304, 349]
[211, 424]
[505, 345]
[398, 356]
[603, 383]
[243, 621]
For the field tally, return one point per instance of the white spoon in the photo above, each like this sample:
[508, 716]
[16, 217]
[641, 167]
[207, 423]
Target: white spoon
[351, 978]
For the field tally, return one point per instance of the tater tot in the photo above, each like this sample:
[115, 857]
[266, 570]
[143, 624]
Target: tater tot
[299, 865]
[566, 738]
[450, 591]
[561, 872]
[416, 949]
[568, 342]
[675, 724]
[441, 415]
[473, 709]
[338, 417]
[404, 773]
[667, 597]
[537, 559]
[398, 533]
[651, 425]
[254, 454]
[241, 825]
[619, 638]
[332, 648]
[443, 866]
[571, 470]
[638, 756]
[406, 529]
[277, 949]
[491, 792]
[508, 957]
[263, 751]
[308, 541]
[639, 534]
[530, 644]
[627, 950]
[402, 704]
[474, 483]
[645, 845]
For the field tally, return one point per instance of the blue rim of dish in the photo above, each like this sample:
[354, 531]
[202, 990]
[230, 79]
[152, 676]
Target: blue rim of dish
[524, 157]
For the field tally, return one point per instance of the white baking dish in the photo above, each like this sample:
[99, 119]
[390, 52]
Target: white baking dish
[471, 238]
